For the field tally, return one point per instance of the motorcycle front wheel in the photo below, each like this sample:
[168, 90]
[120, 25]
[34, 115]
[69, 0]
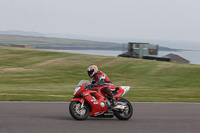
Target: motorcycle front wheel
[78, 112]
[126, 113]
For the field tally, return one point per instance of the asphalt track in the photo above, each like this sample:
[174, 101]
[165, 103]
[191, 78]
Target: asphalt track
[54, 117]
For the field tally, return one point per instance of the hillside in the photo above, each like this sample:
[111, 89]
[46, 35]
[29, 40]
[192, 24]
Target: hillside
[63, 43]
[57, 43]
[36, 75]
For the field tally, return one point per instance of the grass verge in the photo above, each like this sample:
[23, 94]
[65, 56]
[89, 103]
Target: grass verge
[36, 75]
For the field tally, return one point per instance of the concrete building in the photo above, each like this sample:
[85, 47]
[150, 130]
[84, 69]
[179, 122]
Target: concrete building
[139, 50]
[149, 52]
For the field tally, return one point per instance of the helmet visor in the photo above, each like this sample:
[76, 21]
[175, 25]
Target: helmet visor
[90, 73]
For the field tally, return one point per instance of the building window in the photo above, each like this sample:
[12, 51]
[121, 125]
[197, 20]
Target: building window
[145, 46]
[135, 45]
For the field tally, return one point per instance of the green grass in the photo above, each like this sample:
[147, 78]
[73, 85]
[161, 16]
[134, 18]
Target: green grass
[35, 75]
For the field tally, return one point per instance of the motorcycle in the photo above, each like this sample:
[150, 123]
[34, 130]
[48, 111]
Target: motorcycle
[89, 100]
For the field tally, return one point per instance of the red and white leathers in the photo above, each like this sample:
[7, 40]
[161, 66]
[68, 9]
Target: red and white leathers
[102, 79]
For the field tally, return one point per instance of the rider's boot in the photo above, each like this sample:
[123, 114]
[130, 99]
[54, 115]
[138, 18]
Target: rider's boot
[112, 100]
[110, 97]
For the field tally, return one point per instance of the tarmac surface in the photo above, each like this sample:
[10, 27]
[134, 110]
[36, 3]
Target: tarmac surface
[54, 117]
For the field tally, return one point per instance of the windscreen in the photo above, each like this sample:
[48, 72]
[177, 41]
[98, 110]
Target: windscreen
[83, 81]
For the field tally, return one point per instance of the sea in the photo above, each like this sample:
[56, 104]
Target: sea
[192, 55]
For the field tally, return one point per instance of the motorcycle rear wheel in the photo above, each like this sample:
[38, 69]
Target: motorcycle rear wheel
[124, 115]
[77, 112]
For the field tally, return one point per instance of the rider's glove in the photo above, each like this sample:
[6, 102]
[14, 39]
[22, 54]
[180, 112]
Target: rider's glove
[90, 86]
[93, 85]
[87, 87]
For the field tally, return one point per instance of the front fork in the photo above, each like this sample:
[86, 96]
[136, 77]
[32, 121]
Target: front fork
[81, 100]
[82, 105]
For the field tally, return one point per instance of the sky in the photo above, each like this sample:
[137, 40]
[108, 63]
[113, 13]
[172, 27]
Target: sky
[172, 20]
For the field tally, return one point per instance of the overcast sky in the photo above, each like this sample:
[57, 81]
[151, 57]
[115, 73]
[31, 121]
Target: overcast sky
[145, 19]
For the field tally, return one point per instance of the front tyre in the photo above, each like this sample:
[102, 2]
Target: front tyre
[126, 113]
[78, 112]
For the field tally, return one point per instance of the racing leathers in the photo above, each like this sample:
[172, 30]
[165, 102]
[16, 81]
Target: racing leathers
[102, 79]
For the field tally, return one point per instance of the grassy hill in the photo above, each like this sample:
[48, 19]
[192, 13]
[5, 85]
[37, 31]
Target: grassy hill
[57, 43]
[64, 43]
[36, 75]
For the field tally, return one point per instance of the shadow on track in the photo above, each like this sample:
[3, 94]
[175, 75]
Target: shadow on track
[72, 119]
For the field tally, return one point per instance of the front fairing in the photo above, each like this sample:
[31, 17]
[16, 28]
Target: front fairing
[80, 87]
[78, 90]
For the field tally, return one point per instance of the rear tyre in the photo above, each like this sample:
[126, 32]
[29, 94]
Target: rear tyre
[77, 112]
[125, 114]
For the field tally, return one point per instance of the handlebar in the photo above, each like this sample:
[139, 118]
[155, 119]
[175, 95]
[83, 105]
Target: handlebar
[90, 86]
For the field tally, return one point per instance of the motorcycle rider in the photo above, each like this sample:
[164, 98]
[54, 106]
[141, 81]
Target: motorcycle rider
[100, 78]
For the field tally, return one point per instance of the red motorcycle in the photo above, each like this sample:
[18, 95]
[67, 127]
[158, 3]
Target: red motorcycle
[91, 101]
